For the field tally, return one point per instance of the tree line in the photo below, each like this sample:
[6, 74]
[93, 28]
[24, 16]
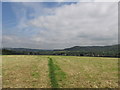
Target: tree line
[63, 53]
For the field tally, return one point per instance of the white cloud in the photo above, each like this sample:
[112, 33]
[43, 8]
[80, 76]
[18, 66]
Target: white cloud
[60, 0]
[79, 24]
[0, 24]
[71, 25]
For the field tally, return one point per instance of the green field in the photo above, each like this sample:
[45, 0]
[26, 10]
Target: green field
[30, 71]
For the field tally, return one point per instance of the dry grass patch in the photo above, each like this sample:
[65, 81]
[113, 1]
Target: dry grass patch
[25, 72]
[89, 72]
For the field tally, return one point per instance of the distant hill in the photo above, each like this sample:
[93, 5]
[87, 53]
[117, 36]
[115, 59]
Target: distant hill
[93, 48]
[25, 49]
[112, 50]
[104, 51]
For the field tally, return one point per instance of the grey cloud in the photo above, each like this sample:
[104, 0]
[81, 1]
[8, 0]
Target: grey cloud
[98, 21]
[76, 24]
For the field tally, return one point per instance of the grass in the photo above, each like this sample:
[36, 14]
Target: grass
[25, 71]
[34, 72]
[52, 74]
[89, 72]
[55, 73]
[29, 71]
[0, 71]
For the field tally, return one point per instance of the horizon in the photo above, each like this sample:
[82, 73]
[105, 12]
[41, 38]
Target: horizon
[56, 48]
[57, 25]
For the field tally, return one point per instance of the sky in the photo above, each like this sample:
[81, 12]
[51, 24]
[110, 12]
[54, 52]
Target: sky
[58, 25]
[0, 24]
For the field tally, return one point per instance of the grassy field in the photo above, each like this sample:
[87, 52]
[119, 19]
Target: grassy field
[0, 72]
[20, 71]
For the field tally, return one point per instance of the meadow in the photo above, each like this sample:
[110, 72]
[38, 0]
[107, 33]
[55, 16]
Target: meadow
[37, 71]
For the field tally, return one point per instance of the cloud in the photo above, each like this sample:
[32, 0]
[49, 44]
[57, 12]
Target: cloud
[70, 25]
[0, 14]
[60, 1]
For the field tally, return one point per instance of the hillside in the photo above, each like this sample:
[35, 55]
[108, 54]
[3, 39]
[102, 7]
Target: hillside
[94, 48]
[107, 51]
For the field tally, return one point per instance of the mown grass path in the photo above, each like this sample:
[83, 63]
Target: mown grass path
[56, 74]
[52, 75]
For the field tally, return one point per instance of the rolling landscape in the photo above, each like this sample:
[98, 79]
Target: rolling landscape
[30, 71]
[103, 51]
[59, 44]
[76, 67]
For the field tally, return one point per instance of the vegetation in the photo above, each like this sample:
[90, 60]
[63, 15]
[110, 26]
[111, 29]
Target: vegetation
[88, 72]
[52, 75]
[94, 51]
[33, 71]
[55, 73]
[25, 71]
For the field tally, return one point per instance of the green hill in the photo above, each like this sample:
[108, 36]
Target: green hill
[104, 51]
